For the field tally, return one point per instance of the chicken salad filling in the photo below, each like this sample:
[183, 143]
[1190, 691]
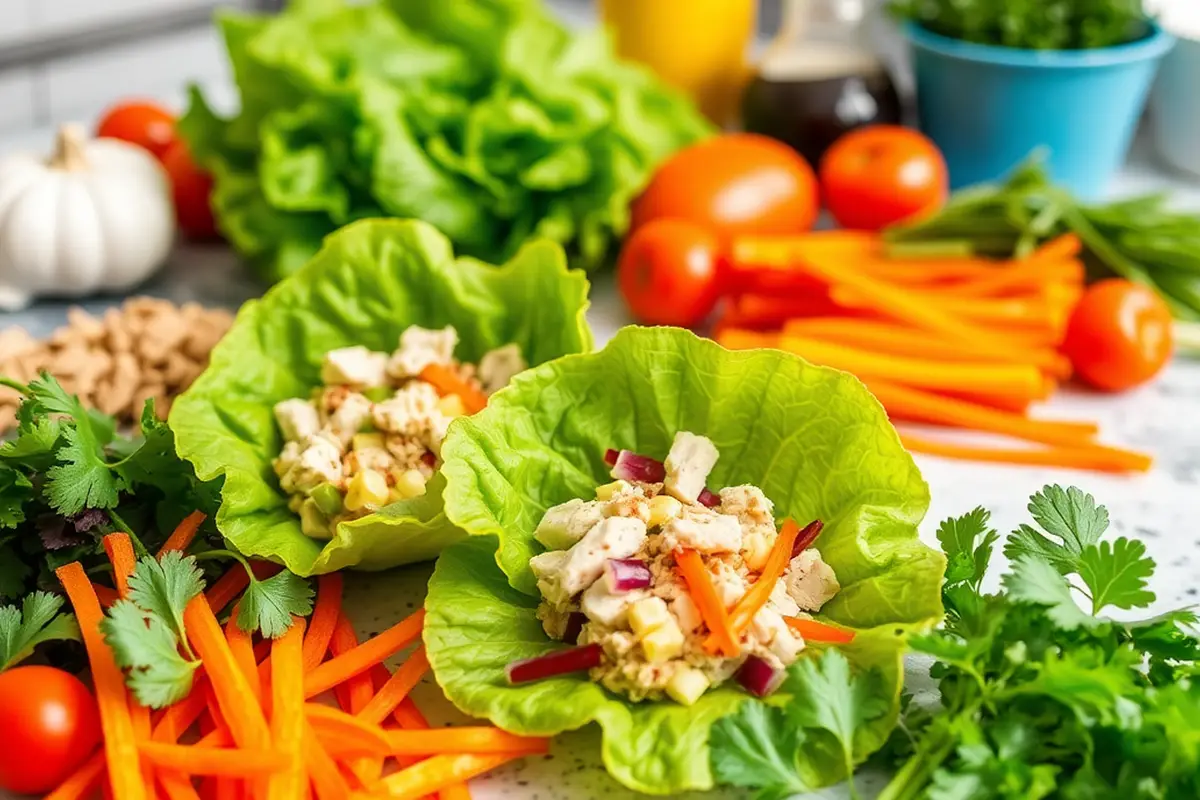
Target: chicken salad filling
[371, 434]
[668, 589]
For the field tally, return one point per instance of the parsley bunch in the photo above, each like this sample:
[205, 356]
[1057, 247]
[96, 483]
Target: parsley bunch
[1042, 696]
[1030, 24]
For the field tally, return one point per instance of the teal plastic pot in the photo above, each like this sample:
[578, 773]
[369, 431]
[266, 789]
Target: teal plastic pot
[989, 107]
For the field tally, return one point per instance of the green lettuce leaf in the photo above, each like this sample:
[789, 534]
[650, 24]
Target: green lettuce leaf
[371, 280]
[813, 439]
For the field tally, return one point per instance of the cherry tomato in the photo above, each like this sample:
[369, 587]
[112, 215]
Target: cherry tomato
[737, 184]
[1119, 335]
[879, 175]
[192, 189]
[144, 124]
[669, 273]
[49, 724]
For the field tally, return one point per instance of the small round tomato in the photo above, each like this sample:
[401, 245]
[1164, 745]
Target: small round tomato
[144, 124]
[49, 724]
[669, 273]
[736, 184]
[192, 190]
[1119, 335]
[882, 174]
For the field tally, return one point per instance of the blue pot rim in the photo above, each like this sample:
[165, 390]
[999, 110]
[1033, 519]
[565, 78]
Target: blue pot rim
[1151, 47]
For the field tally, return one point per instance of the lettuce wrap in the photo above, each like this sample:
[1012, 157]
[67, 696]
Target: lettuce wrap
[370, 281]
[813, 439]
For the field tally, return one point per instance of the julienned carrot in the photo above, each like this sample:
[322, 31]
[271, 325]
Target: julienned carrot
[1013, 319]
[81, 783]
[447, 382]
[324, 619]
[120, 745]
[327, 780]
[227, 761]
[1083, 456]
[119, 549]
[364, 656]
[409, 717]
[178, 718]
[439, 741]
[707, 601]
[181, 539]
[176, 785]
[346, 734]
[435, 774]
[236, 699]
[241, 645]
[1067, 245]
[355, 693]
[1014, 405]
[397, 688]
[1011, 380]
[814, 631]
[105, 594]
[287, 711]
[455, 791]
[227, 588]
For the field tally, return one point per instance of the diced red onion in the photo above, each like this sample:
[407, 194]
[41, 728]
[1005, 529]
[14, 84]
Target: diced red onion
[626, 574]
[429, 459]
[708, 498]
[807, 536]
[560, 662]
[758, 677]
[575, 623]
[610, 457]
[632, 467]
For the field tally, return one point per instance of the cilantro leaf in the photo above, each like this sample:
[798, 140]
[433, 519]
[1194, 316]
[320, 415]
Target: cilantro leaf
[1116, 573]
[144, 644]
[1033, 580]
[967, 542]
[268, 605]
[1071, 521]
[756, 747]
[34, 444]
[165, 587]
[37, 621]
[14, 572]
[16, 491]
[84, 479]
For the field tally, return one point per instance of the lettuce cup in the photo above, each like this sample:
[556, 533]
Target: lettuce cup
[685, 545]
[325, 407]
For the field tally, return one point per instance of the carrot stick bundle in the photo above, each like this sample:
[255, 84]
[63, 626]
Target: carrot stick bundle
[324, 619]
[288, 724]
[364, 656]
[1084, 456]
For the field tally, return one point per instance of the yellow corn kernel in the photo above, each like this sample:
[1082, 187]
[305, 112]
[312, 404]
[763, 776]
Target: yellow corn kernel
[648, 615]
[663, 643]
[364, 441]
[663, 507]
[451, 406]
[607, 491]
[687, 685]
[367, 489]
[409, 484]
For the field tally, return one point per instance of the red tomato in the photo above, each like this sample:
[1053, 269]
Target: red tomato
[736, 184]
[1119, 335]
[192, 189]
[668, 273]
[49, 724]
[144, 124]
[879, 175]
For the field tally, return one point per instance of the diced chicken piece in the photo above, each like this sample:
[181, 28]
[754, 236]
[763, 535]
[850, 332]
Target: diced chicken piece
[420, 347]
[686, 613]
[810, 581]
[705, 532]
[771, 630]
[349, 417]
[565, 524]
[749, 504]
[688, 463]
[609, 608]
[781, 601]
[615, 537]
[374, 458]
[354, 366]
[298, 419]
[288, 458]
[550, 568]
[729, 585]
[409, 412]
[319, 462]
[499, 366]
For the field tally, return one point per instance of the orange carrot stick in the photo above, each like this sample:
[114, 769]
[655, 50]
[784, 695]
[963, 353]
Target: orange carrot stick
[397, 688]
[224, 761]
[366, 655]
[327, 780]
[346, 735]
[105, 595]
[814, 631]
[181, 716]
[324, 619]
[409, 717]
[120, 745]
[707, 602]
[81, 783]
[447, 382]
[181, 539]
[241, 646]
[456, 791]
[176, 785]
[435, 774]
[1085, 456]
[476, 739]
[354, 694]
[287, 711]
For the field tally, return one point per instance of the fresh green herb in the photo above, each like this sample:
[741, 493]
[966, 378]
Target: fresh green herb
[268, 605]
[165, 586]
[1030, 24]
[35, 622]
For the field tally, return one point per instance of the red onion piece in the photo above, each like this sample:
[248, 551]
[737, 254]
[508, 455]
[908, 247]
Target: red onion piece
[575, 623]
[626, 574]
[560, 662]
[708, 498]
[610, 457]
[632, 467]
[758, 677]
[807, 536]
[429, 459]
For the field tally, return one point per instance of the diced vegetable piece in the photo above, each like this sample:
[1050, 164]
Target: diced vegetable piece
[687, 685]
[452, 406]
[807, 537]
[648, 615]
[758, 677]
[367, 488]
[607, 491]
[409, 484]
[328, 498]
[663, 508]
[610, 457]
[560, 662]
[575, 623]
[709, 498]
[632, 467]
[367, 441]
[626, 574]
[663, 643]
[377, 394]
[313, 523]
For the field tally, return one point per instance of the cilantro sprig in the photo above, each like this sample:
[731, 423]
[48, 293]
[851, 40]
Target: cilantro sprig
[37, 621]
[269, 604]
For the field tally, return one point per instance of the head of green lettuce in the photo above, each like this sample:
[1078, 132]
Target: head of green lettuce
[813, 439]
[369, 282]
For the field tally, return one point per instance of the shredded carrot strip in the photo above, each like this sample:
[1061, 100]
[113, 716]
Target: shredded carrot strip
[181, 539]
[226, 589]
[409, 717]
[327, 780]
[354, 694]
[397, 688]
[80, 783]
[446, 382]
[176, 786]
[1085, 456]
[481, 739]
[324, 619]
[287, 710]
[224, 761]
[106, 595]
[120, 745]
[708, 603]
[241, 645]
[366, 655]
[178, 718]
[815, 631]
[456, 791]
[434, 774]
[778, 559]
[345, 734]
